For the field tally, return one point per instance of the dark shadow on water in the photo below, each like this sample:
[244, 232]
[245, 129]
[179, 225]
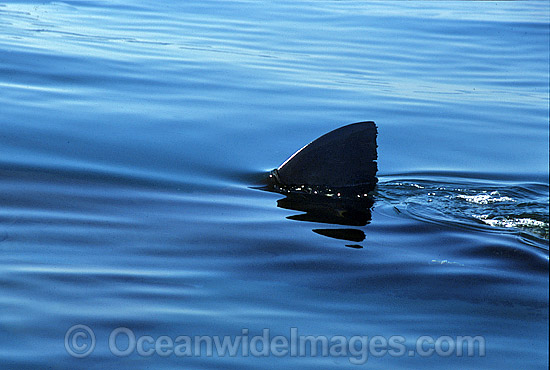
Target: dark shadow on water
[330, 210]
[325, 210]
[353, 235]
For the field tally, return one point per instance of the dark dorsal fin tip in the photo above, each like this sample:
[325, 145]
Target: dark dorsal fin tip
[343, 158]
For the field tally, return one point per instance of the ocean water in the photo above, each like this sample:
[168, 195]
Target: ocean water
[134, 136]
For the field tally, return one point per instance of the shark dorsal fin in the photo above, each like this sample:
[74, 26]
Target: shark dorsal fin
[343, 158]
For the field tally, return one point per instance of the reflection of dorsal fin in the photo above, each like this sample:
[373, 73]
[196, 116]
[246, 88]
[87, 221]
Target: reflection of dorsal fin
[353, 235]
[342, 158]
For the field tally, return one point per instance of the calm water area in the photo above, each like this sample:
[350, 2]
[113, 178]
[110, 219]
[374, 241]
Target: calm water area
[134, 135]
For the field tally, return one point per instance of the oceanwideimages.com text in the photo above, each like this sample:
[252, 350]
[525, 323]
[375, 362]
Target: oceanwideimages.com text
[80, 341]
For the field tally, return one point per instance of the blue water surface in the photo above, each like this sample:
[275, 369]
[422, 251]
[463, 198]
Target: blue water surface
[133, 135]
